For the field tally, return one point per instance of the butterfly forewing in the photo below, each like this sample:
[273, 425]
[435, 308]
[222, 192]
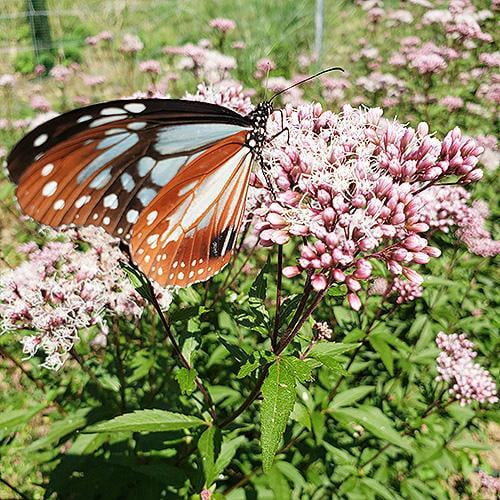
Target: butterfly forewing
[109, 164]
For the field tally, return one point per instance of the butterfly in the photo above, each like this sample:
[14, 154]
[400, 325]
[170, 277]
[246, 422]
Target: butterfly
[168, 177]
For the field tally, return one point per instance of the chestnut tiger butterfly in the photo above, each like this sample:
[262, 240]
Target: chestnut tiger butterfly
[168, 177]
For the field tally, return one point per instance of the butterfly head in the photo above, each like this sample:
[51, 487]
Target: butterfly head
[259, 117]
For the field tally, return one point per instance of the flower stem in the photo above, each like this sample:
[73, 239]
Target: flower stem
[168, 331]
[13, 488]
[279, 280]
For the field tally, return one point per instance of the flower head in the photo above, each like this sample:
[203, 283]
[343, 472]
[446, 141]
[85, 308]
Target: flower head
[222, 24]
[455, 364]
[348, 185]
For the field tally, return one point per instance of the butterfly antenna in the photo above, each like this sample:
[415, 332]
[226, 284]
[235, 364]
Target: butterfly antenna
[335, 68]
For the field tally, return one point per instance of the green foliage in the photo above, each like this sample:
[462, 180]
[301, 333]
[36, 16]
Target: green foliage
[148, 421]
[336, 419]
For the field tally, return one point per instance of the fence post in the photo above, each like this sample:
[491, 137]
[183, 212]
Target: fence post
[38, 18]
[318, 26]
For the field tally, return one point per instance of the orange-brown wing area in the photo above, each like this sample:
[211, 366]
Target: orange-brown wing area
[188, 232]
[107, 175]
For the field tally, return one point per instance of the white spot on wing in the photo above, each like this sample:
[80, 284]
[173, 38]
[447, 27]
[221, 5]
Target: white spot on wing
[132, 216]
[50, 188]
[82, 201]
[136, 125]
[59, 205]
[135, 107]
[47, 169]
[101, 179]
[187, 188]
[106, 119]
[151, 217]
[84, 118]
[127, 182]
[113, 111]
[111, 201]
[40, 140]
[106, 221]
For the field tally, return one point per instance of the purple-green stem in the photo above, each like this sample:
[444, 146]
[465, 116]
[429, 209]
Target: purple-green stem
[178, 352]
[279, 281]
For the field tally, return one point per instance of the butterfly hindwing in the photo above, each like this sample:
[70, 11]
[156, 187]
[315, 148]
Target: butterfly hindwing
[195, 234]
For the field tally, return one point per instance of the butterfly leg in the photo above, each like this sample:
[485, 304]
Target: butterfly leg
[285, 129]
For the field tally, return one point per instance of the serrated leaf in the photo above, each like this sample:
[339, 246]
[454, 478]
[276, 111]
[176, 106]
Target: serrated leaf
[257, 359]
[374, 421]
[186, 379]
[278, 393]
[301, 369]
[148, 421]
[350, 396]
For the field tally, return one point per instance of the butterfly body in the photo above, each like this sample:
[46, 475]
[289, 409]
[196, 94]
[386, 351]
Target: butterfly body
[169, 177]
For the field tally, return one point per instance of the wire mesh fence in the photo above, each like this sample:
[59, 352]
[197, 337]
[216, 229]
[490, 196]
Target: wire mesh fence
[37, 26]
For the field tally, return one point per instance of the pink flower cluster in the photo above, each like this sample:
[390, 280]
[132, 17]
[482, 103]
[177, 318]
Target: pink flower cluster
[490, 483]
[151, 66]
[348, 185]
[206, 64]
[103, 36]
[131, 44]
[222, 24]
[263, 67]
[60, 290]
[323, 331]
[226, 93]
[447, 207]
[455, 364]
[61, 73]
[405, 291]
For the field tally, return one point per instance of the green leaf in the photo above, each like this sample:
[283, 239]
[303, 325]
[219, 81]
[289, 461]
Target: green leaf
[278, 483]
[278, 392]
[378, 488]
[227, 452]
[318, 426]
[86, 444]
[374, 421]
[258, 358]
[9, 420]
[139, 281]
[351, 396]
[148, 421]
[329, 352]
[186, 379]
[292, 474]
[208, 445]
[259, 286]
[301, 369]
[332, 349]
[60, 429]
[384, 351]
